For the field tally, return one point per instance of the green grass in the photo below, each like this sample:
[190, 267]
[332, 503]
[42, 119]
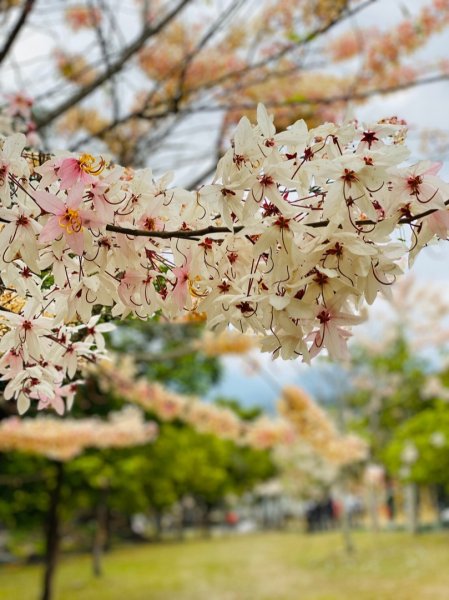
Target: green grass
[269, 566]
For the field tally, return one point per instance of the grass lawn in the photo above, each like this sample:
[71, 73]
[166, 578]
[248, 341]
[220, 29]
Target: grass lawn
[265, 566]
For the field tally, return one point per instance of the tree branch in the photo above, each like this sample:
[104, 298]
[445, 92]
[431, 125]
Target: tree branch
[114, 68]
[181, 234]
[147, 33]
[195, 233]
[26, 10]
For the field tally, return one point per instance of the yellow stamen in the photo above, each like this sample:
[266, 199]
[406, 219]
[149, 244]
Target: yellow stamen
[71, 221]
[87, 164]
[193, 291]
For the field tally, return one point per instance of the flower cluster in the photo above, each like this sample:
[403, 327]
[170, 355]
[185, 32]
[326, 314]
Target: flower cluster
[17, 118]
[64, 439]
[262, 433]
[297, 230]
[314, 427]
[79, 16]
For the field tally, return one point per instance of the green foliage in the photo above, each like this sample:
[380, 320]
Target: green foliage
[162, 352]
[246, 413]
[428, 432]
[23, 497]
[184, 462]
[378, 414]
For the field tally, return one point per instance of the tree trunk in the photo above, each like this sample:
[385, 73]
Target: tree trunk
[373, 505]
[101, 533]
[180, 524]
[411, 502]
[52, 533]
[205, 521]
[159, 526]
[436, 497]
[346, 530]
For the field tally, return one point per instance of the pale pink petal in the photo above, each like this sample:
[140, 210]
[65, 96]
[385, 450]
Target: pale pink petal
[75, 196]
[428, 192]
[52, 230]
[92, 219]
[86, 177]
[180, 289]
[76, 242]
[50, 203]
[14, 145]
[104, 210]
[433, 170]
[180, 293]
[438, 223]
[69, 173]
[58, 404]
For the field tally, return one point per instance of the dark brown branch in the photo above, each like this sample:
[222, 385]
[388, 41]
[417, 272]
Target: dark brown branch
[181, 234]
[183, 66]
[114, 68]
[26, 10]
[190, 234]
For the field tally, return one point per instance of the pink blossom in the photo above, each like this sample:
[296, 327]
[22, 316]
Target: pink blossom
[79, 170]
[71, 173]
[56, 401]
[67, 220]
[20, 105]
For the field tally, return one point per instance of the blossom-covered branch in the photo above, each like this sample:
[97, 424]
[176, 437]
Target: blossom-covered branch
[64, 439]
[305, 225]
[314, 427]
[119, 377]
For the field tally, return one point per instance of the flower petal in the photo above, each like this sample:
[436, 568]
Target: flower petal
[50, 203]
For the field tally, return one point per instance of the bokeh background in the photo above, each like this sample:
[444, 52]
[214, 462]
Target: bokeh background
[192, 466]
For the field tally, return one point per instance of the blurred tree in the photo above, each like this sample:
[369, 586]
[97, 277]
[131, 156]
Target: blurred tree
[134, 77]
[428, 433]
[418, 455]
[166, 352]
[389, 389]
